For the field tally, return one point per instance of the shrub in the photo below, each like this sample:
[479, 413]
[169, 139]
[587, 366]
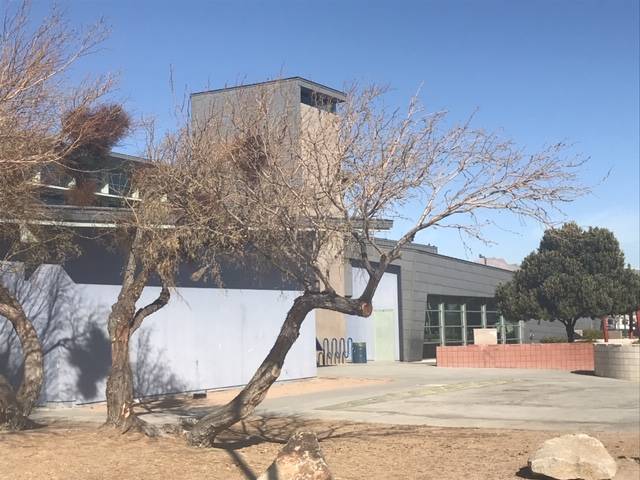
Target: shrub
[591, 335]
[553, 340]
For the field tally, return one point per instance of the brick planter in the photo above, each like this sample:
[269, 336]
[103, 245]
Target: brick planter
[554, 356]
[618, 361]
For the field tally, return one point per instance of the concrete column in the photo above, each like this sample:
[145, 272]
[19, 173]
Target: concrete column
[503, 330]
[520, 331]
[483, 314]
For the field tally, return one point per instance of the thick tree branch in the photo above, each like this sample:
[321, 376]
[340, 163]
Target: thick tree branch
[144, 312]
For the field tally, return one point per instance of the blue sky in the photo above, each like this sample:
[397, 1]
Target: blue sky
[539, 71]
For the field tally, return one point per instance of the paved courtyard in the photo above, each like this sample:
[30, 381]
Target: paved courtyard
[421, 394]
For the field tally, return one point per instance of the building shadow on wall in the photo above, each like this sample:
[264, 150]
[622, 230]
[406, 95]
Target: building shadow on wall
[279, 429]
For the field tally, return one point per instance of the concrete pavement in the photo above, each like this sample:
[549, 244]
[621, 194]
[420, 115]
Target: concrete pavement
[421, 394]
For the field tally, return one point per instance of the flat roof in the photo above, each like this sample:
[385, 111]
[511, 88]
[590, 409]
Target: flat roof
[318, 87]
[429, 250]
[129, 158]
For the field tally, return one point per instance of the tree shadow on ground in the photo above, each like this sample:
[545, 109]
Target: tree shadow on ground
[240, 462]
[278, 429]
[269, 428]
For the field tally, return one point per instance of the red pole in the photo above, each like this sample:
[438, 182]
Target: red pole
[605, 328]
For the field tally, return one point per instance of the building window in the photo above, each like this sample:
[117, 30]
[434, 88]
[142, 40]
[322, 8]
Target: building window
[450, 320]
[432, 327]
[118, 183]
[318, 100]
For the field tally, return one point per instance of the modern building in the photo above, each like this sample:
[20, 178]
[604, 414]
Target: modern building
[206, 337]
[209, 337]
[300, 102]
[427, 299]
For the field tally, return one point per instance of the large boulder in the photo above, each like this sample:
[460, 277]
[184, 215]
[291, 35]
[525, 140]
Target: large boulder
[570, 457]
[299, 459]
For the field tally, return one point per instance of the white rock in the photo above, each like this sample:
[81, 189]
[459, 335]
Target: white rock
[300, 459]
[573, 457]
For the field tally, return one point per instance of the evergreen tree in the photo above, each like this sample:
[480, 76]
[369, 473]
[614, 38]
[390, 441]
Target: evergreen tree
[574, 273]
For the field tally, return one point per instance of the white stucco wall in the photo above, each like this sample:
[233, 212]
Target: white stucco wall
[204, 338]
[386, 298]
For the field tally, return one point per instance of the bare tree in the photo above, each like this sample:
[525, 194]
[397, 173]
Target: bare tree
[306, 197]
[151, 248]
[158, 235]
[35, 98]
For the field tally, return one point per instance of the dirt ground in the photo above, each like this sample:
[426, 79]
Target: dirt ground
[353, 451]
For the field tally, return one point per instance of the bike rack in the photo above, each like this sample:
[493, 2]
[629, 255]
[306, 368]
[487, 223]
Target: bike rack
[334, 351]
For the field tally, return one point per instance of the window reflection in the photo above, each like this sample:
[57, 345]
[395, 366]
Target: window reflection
[459, 315]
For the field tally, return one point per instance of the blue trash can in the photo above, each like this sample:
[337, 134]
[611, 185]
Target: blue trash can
[359, 352]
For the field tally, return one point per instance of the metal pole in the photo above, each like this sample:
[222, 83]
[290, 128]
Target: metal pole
[463, 312]
[605, 328]
[443, 337]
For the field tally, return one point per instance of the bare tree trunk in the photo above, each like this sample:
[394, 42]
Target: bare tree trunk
[204, 432]
[120, 382]
[17, 408]
[11, 417]
[124, 320]
[570, 329]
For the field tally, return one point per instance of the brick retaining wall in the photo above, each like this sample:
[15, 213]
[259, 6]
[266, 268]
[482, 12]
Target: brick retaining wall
[555, 356]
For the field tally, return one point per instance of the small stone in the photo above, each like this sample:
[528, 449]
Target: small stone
[299, 459]
[571, 457]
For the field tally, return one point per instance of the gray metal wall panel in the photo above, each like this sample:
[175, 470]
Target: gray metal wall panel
[424, 272]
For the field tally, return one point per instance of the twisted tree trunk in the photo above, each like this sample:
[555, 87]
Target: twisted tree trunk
[205, 431]
[120, 381]
[16, 407]
[123, 321]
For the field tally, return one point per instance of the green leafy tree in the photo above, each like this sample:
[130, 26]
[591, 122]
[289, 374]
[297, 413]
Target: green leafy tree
[574, 273]
[628, 295]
